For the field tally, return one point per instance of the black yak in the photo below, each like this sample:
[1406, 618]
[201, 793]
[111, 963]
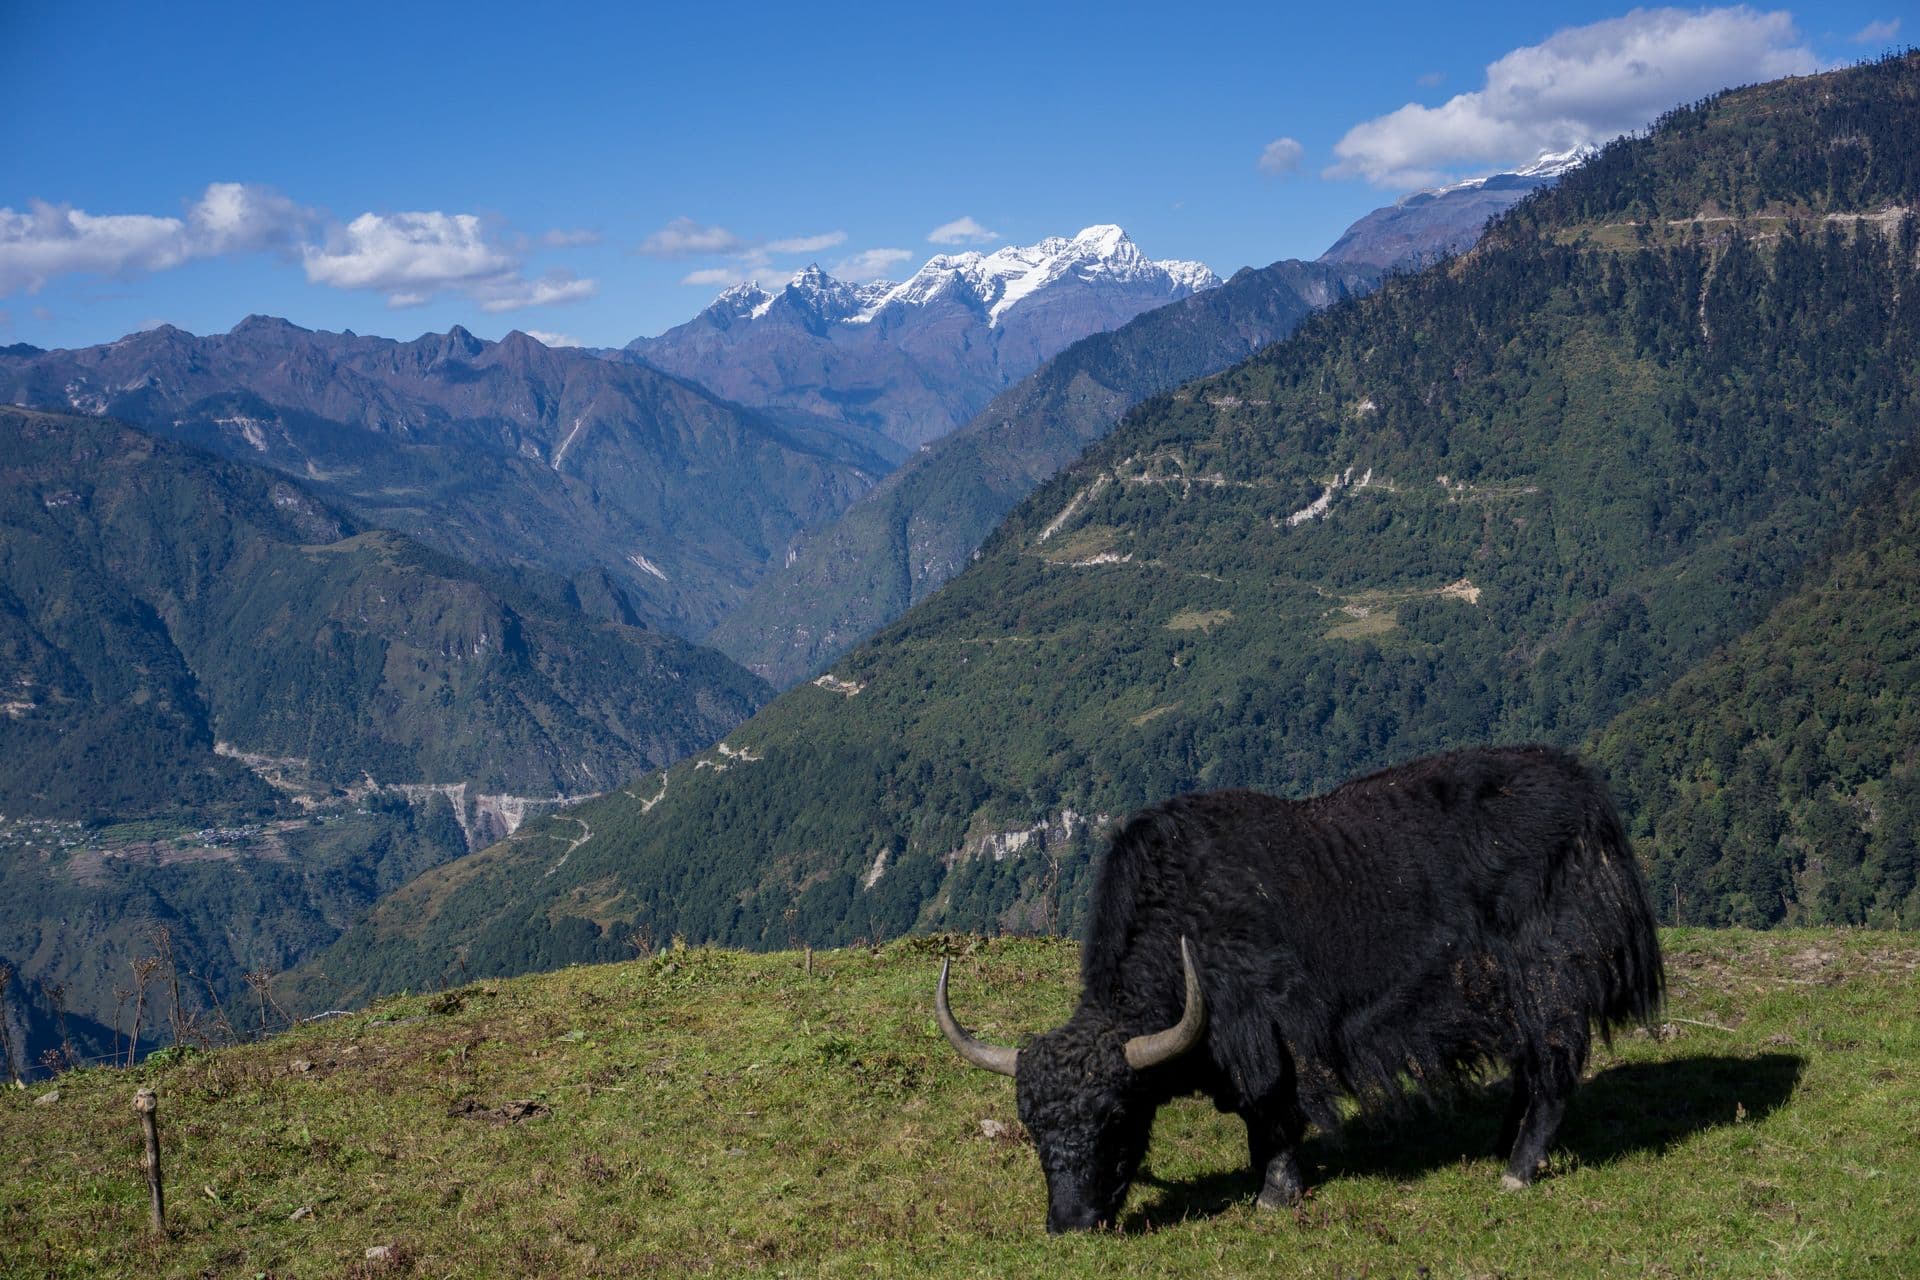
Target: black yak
[1416, 925]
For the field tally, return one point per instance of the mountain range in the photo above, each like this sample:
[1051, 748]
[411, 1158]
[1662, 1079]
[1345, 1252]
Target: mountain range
[655, 500]
[913, 360]
[1517, 495]
[659, 501]
[338, 711]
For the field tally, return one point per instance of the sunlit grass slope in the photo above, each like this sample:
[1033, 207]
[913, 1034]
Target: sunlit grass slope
[705, 1111]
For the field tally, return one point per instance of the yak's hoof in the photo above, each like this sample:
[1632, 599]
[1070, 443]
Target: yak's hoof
[1510, 1183]
[1272, 1197]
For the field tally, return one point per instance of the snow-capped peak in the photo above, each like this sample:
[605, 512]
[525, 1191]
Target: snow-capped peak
[1000, 280]
[745, 299]
[991, 282]
[826, 297]
[1551, 164]
[811, 288]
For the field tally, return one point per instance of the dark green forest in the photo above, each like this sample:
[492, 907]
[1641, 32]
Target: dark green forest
[154, 599]
[1780, 779]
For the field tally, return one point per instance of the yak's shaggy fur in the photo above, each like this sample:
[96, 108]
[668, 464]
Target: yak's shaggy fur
[1476, 908]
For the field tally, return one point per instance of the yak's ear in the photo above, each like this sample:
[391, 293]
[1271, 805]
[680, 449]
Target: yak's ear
[999, 1059]
[1164, 1046]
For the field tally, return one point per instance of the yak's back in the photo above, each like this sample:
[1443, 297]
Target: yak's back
[1512, 851]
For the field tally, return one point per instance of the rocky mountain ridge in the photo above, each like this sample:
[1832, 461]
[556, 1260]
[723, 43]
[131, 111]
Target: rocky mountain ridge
[1428, 225]
[658, 501]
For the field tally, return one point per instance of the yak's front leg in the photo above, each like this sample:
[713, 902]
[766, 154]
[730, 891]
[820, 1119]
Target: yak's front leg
[1275, 1126]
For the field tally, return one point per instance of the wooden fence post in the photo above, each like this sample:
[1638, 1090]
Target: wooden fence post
[145, 1103]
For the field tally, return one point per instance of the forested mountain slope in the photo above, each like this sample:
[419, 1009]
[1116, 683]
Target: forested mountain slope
[1780, 779]
[920, 525]
[1504, 499]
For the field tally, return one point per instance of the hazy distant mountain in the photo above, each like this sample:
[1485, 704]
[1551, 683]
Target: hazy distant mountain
[921, 524]
[226, 708]
[1428, 225]
[659, 501]
[155, 599]
[915, 359]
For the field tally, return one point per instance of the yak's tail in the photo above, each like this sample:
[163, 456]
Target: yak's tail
[1630, 980]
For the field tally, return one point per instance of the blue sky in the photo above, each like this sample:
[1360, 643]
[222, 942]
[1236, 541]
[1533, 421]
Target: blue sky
[567, 170]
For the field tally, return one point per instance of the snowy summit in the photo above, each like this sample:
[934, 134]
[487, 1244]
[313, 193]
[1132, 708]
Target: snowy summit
[993, 283]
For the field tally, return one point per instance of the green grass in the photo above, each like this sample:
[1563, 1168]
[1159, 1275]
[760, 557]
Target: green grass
[725, 1113]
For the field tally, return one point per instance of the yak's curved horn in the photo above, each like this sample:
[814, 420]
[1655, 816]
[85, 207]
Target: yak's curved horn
[1164, 1046]
[996, 1058]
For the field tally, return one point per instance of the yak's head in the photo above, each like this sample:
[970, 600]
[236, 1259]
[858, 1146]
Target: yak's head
[1083, 1096]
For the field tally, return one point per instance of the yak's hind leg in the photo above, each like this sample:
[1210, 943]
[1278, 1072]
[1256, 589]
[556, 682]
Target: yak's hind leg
[1536, 1112]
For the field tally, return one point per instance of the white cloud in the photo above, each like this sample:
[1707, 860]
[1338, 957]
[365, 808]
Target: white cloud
[961, 231]
[562, 238]
[556, 340]
[1431, 80]
[715, 275]
[54, 240]
[413, 256]
[234, 217]
[807, 244]
[514, 292]
[399, 252]
[747, 259]
[870, 264]
[1582, 85]
[1877, 32]
[50, 240]
[1280, 157]
[685, 238]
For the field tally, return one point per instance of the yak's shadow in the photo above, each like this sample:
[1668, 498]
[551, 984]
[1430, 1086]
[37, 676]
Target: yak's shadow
[1633, 1107]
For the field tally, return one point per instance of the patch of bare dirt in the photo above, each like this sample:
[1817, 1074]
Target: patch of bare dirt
[513, 1111]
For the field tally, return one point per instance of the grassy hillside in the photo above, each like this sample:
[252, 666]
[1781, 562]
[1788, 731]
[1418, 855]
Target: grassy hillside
[1504, 499]
[707, 1112]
